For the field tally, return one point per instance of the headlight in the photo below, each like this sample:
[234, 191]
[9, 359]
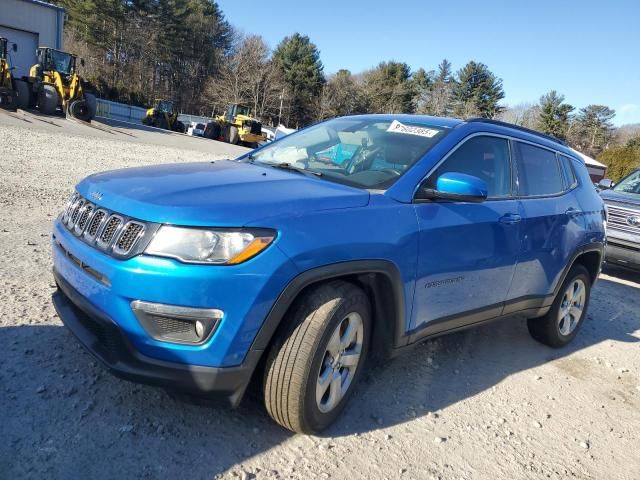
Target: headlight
[219, 247]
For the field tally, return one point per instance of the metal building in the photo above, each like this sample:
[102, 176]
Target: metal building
[30, 24]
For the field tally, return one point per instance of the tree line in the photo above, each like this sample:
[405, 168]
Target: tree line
[186, 50]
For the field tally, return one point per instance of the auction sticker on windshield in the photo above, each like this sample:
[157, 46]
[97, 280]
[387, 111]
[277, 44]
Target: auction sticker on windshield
[397, 127]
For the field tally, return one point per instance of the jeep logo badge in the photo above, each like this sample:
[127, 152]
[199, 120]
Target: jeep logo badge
[97, 196]
[633, 221]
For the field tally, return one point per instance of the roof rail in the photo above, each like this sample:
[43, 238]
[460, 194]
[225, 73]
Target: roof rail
[518, 127]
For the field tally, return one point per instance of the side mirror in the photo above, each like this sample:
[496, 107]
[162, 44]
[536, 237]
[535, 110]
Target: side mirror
[606, 183]
[457, 187]
[14, 47]
[82, 62]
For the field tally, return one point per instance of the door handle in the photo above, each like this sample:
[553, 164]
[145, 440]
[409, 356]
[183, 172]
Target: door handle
[510, 218]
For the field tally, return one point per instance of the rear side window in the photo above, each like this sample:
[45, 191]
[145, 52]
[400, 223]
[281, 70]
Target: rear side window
[567, 169]
[538, 170]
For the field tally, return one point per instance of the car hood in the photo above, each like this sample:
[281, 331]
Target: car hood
[221, 193]
[629, 200]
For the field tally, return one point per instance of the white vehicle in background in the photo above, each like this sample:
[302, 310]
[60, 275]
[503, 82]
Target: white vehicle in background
[283, 131]
[270, 132]
[196, 129]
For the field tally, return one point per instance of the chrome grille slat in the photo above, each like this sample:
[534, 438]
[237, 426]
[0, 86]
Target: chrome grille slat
[94, 225]
[128, 237]
[617, 219]
[108, 231]
[83, 218]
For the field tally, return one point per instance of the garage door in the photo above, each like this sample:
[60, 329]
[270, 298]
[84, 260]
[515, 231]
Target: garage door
[27, 43]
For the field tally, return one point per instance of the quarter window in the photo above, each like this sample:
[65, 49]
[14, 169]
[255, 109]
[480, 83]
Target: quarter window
[484, 157]
[569, 174]
[538, 170]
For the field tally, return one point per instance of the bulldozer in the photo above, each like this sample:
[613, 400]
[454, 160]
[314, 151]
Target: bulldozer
[53, 83]
[8, 94]
[163, 115]
[236, 126]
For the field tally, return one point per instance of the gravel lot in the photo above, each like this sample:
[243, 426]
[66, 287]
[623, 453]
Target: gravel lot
[486, 403]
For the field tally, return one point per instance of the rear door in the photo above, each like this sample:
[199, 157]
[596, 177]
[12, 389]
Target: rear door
[551, 222]
[467, 250]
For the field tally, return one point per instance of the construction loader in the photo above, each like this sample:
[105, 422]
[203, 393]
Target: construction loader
[236, 126]
[163, 115]
[54, 85]
[8, 94]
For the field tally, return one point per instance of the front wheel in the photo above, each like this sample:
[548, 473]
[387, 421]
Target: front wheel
[568, 311]
[315, 362]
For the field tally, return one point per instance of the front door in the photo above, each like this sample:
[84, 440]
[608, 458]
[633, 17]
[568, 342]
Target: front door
[467, 250]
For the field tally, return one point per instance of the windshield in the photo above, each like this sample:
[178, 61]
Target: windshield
[367, 153]
[165, 106]
[630, 184]
[62, 62]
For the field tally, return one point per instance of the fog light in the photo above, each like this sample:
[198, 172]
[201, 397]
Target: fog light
[199, 328]
[170, 323]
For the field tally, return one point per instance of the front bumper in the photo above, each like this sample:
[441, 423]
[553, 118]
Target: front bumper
[104, 340]
[245, 293]
[623, 252]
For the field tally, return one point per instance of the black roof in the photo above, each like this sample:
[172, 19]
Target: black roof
[520, 128]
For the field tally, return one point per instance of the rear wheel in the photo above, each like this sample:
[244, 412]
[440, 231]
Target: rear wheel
[23, 94]
[47, 99]
[317, 359]
[90, 98]
[563, 321]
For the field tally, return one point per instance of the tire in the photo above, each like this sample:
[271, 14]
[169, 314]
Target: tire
[234, 136]
[47, 99]
[146, 120]
[213, 131]
[293, 394]
[90, 98]
[23, 94]
[554, 329]
[179, 127]
[80, 109]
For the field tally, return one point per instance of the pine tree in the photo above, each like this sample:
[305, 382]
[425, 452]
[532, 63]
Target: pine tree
[389, 89]
[554, 115]
[477, 92]
[299, 61]
[593, 129]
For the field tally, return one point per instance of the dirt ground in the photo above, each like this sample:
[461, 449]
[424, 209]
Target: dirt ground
[487, 403]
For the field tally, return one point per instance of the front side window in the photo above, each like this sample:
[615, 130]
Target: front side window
[538, 170]
[629, 184]
[366, 153]
[484, 157]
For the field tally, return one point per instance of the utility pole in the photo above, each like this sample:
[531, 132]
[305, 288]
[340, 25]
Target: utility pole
[280, 112]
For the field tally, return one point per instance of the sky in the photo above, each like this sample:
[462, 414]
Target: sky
[587, 50]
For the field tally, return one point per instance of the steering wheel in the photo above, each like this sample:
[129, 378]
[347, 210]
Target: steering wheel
[359, 159]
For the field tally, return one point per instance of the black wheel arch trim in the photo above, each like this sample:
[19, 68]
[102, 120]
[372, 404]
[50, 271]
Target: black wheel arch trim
[588, 248]
[328, 272]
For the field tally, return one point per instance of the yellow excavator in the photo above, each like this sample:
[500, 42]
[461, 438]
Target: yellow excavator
[163, 115]
[236, 126]
[8, 94]
[53, 83]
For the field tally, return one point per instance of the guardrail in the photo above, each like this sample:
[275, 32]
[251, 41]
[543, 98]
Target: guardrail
[119, 111]
[129, 113]
[187, 119]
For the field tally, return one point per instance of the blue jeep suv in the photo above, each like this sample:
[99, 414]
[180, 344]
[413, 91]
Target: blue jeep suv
[294, 263]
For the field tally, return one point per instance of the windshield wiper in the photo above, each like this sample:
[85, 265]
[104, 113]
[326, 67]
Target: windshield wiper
[288, 166]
